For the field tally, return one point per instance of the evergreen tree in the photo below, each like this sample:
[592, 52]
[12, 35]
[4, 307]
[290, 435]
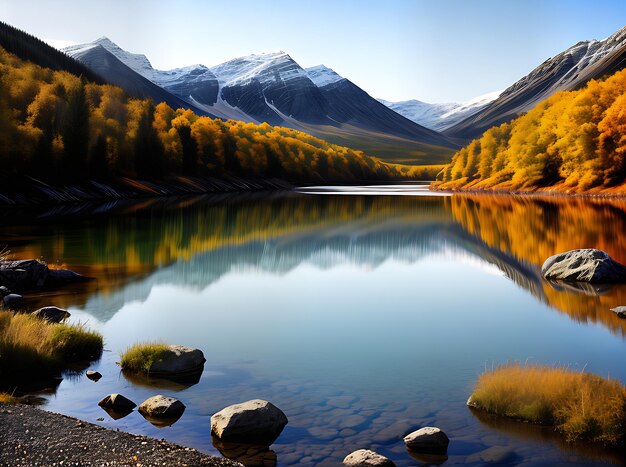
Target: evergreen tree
[75, 132]
[98, 166]
[149, 153]
[190, 150]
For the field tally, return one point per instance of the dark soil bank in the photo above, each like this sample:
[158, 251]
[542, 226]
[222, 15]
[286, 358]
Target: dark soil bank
[32, 437]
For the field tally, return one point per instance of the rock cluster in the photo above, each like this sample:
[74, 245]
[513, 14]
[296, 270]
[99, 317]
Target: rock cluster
[32, 274]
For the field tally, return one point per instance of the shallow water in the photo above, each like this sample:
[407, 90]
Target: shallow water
[362, 316]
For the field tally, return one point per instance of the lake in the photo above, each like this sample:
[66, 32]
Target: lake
[363, 316]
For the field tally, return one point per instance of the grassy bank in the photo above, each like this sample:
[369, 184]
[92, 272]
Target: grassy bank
[31, 348]
[140, 357]
[582, 406]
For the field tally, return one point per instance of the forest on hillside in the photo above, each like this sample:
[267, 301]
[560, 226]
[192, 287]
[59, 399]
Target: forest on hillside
[574, 141]
[57, 126]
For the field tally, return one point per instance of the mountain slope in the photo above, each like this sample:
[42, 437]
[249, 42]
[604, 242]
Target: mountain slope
[105, 64]
[566, 71]
[440, 116]
[273, 88]
[30, 48]
[351, 105]
[571, 142]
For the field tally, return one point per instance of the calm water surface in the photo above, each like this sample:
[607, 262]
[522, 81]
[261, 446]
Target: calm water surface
[362, 316]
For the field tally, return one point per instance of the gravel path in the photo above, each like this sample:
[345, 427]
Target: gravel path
[33, 437]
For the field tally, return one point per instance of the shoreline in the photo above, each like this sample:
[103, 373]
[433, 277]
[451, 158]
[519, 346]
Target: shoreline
[535, 193]
[32, 436]
[32, 192]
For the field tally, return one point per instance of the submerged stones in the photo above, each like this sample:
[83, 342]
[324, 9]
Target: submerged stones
[584, 265]
[428, 439]
[255, 421]
[246, 454]
[367, 458]
[162, 410]
[52, 314]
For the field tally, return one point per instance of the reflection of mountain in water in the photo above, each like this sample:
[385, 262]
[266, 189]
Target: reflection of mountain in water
[365, 248]
[193, 242]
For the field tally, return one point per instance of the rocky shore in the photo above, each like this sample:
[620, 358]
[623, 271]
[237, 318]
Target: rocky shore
[30, 436]
[28, 191]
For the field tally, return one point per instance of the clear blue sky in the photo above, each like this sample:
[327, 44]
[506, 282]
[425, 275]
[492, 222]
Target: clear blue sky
[436, 51]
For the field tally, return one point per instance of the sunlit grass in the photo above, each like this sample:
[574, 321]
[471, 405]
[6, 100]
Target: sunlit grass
[8, 399]
[583, 406]
[140, 357]
[4, 253]
[29, 344]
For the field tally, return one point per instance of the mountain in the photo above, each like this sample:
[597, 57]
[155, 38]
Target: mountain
[566, 71]
[35, 50]
[351, 105]
[274, 88]
[100, 56]
[439, 117]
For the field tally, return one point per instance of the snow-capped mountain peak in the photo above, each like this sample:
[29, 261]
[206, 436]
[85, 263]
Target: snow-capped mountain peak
[264, 67]
[137, 62]
[322, 75]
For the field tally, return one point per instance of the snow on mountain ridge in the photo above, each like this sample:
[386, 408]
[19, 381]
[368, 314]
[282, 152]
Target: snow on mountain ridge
[137, 62]
[264, 67]
[140, 64]
[322, 76]
[440, 116]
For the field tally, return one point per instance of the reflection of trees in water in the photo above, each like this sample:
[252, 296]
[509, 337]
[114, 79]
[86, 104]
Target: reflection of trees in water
[535, 228]
[538, 433]
[193, 242]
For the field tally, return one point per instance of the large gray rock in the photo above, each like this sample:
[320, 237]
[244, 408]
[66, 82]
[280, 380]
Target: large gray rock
[4, 291]
[180, 361]
[117, 402]
[367, 458]
[427, 439]
[51, 314]
[256, 422]
[32, 274]
[586, 265]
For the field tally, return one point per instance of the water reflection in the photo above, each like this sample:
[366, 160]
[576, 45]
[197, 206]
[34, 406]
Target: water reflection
[131, 247]
[529, 432]
[362, 317]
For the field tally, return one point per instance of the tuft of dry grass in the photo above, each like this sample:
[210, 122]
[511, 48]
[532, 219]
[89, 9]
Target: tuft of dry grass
[581, 405]
[4, 253]
[32, 345]
[140, 357]
[8, 399]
